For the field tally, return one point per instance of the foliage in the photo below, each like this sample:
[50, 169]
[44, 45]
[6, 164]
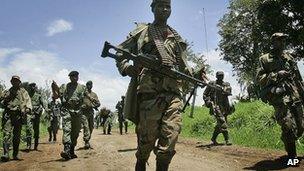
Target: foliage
[252, 125]
[247, 26]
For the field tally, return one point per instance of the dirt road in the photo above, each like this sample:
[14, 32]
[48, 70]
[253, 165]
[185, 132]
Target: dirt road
[116, 152]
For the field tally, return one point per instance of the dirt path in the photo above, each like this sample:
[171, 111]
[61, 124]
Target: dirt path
[116, 152]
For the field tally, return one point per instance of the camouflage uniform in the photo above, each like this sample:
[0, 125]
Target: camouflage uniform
[54, 118]
[220, 108]
[107, 120]
[283, 94]
[33, 120]
[90, 102]
[72, 95]
[154, 101]
[17, 104]
[121, 118]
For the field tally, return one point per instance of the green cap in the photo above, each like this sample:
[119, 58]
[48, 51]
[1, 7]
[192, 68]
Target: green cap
[219, 73]
[32, 84]
[16, 77]
[73, 73]
[156, 1]
[89, 82]
[278, 35]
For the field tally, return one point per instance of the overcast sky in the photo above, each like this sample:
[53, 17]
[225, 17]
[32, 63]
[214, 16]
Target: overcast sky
[43, 40]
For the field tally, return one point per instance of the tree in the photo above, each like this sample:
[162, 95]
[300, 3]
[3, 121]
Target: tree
[247, 27]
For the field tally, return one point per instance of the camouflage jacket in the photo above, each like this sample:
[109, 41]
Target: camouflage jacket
[119, 108]
[16, 100]
[104, 112]
[268, 78]
[53, 110]
[72, 96]
[90, 100]
[37, 102]
[218, 98]
[147, 81]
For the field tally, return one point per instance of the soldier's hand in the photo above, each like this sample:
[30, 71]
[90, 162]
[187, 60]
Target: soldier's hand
[131, 71]
[283, 74]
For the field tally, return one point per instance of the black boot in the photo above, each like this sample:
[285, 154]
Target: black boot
[126, 127]
[28, 144]
[226, 137]
[140, 165]
[87, 145]
[214, 136]
[55, 138]
[291, 149]
[161, 166]
[66, 152]
[50, 134]
[73, 155]
[36, 144]
[109, 130]
[5, 156]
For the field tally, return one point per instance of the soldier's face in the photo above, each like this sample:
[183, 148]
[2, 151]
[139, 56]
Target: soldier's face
[162, 11]
[89, 86]
[74, 78]
[15, 83]
[220, 77]
[279, 44]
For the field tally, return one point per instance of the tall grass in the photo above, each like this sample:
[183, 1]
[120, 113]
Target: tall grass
[251, 125]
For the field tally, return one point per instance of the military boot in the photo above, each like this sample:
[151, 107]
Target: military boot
[87, 145]
[36, 144]
[109, 130]
[5, 156]
[55, 138]
[161, 166]
[226, 137]
[214, 136]
[140, 165]
[73, 155]
[291, 149]
[66, 152]
[50, 136]
[28, 144]
[15, 154]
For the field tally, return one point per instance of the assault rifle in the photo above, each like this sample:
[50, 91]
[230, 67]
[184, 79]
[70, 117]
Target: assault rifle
[154, 65]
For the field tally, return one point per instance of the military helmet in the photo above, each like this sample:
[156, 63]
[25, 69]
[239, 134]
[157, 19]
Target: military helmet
[278, 35]
[16, 77]
[73, 73]
[89, 83]
[156, 1]
[32, 84]
[218, 73]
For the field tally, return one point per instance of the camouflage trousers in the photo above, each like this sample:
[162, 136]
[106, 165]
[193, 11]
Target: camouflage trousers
[159, 119]
[87, 121]
[32, 126]
[53, 126]
[11, 127]
[291, 119]
[71, 124]
[107, 123]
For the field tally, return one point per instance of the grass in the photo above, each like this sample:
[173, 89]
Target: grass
[251, 125]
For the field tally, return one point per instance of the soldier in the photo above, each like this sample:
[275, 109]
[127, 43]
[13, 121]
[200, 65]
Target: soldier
[54, 118]
[72, 95]
[33, 120]
[281, 87]
[107, 120]
[121, 118]
[17, 104]
[220, 108]
[90, 102]
[154, 101]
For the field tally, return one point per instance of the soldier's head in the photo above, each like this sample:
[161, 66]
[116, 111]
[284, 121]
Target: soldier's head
[278, 41]
[74, 76]
[15, 81]
[32, 87]
[122, 97]
[161, 9]
[89, 85]
[219, 75]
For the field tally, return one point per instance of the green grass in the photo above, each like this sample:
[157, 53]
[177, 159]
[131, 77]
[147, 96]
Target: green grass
[251, 125]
